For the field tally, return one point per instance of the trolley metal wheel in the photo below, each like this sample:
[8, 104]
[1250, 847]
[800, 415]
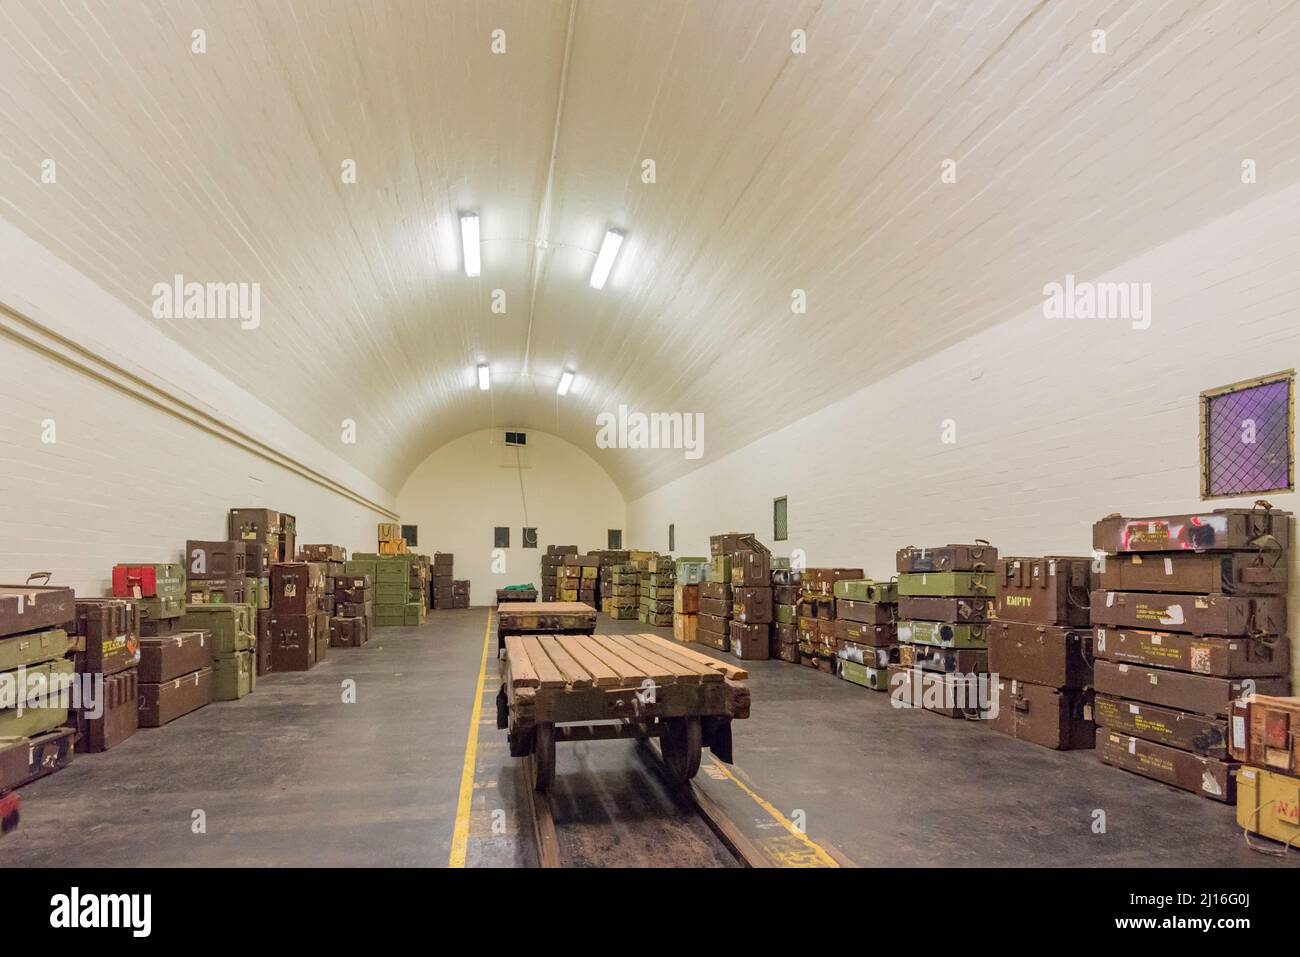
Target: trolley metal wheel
[543, 757]
[680, 745]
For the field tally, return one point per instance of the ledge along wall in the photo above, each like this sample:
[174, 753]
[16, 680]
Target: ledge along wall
[461, 492]
[150, 446]
[1058, 421]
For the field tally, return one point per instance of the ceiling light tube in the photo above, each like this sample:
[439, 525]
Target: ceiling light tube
[484, 377]
[566, 380]
[469, 243]
[605, 259]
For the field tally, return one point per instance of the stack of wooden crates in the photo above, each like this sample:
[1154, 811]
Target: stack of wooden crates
[1191, 616]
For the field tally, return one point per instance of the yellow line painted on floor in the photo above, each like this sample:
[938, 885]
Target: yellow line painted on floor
[780, 818]
[460, 836]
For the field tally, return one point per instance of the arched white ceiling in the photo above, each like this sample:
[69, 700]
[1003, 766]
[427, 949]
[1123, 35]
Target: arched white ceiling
[775, 171]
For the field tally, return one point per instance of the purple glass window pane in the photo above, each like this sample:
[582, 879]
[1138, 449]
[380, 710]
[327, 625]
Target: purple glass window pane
[1250, 448]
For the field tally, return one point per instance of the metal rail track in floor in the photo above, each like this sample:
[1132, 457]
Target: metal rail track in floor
[690, 795]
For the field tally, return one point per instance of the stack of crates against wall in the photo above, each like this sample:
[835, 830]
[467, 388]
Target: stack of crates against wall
[215, 572]
[33, 637]
[175, 671]
[392, 588]
[426, 567]
[232, 632]
[713, 628]
[334, 558]
[623, 599]
[158, 591]
[815, 616]
[442, 585]
[354, 604]
[786, 585]
[260, 531]
[1041, 649]
[690, 572]
[658, 576]
[1190, 616]
[391, 541]
[605, 582]
[569, 578]
[552, 562]
[106, 636]
[942, 648]
[866, 630]
[299, 625]
[751, 604]
[609, 559]
[578, 578]
[460, 593]
[419, 585]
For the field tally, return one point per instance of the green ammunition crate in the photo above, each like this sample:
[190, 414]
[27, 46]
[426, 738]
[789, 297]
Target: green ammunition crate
[691, 571]
[387, 616]
[775, 563]
[867, 590]
[414, 613]
[360, 566]
[391, 593]
[877, 679]
[160, 609]
[658, 592]
[231, 627]
[257, 592]
[785, 614]
[720, 569]
[33, 648]
[658, 580]
[947, 584]
[944, 634]
[393, 570]
[48, 675]
[232, 676]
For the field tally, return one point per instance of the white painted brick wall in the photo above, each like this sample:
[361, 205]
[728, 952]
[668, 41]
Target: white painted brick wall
[126, 481]
[1059, 422]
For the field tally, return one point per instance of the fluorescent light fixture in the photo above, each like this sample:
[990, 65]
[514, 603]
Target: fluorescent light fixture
[469, 243]
[566, 380]
[484, 377]
[605, 260]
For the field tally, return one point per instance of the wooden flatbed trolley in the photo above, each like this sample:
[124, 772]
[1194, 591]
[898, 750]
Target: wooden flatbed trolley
[543, 617]
[603, 687]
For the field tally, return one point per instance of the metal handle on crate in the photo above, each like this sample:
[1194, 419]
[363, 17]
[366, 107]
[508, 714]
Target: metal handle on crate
[1269, 542]
[45, 576]
[1262, 848]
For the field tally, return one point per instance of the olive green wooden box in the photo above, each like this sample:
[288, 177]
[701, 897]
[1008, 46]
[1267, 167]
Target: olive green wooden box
[33, 648]
[231, 627]
[947, 584]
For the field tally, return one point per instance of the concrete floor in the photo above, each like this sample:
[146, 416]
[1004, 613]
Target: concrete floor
[293, 776]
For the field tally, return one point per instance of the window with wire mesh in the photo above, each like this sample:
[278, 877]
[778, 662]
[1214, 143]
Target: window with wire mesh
[529, 537]
[1247, 431]
[615, 540]
[501, 537]
[411, 534]
[672, 538]
[780, 528]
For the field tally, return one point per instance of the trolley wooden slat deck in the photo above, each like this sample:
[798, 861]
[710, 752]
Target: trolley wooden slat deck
[543, 617]
[599, 687]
